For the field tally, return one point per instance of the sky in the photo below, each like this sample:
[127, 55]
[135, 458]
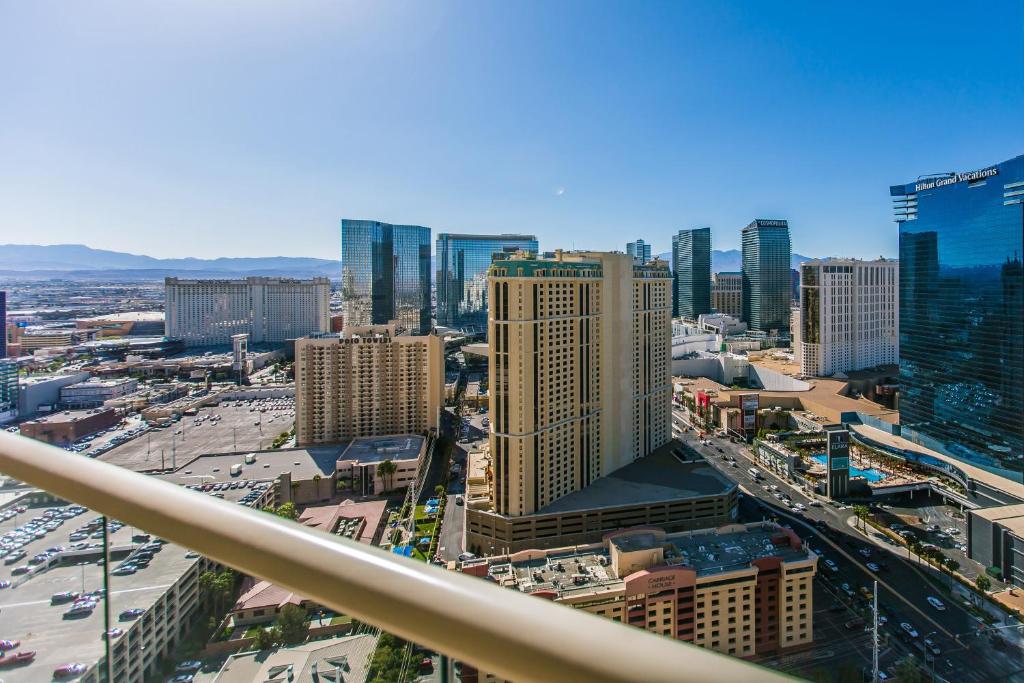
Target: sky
[250, 128]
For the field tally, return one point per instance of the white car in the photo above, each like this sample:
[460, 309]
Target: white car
[910, 630]
[936, 603]
[831, 565]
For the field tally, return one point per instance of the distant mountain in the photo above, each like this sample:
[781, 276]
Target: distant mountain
[78, 261]
[732, 260]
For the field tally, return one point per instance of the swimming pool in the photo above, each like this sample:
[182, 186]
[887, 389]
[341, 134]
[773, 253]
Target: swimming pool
[872, 475]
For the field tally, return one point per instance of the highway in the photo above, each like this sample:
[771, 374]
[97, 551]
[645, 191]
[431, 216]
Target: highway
[903, 586]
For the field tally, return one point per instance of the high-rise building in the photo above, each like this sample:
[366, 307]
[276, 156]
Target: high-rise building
[3, 324]
[727, 293]
[462, 263]
[579, 372]
[849, 315]
[367, 381]
[8, 389]
[767, 282]
[385, 274]
[691, 272]
[742, 590]
[268, 309]
[640, 251]
[962, 314]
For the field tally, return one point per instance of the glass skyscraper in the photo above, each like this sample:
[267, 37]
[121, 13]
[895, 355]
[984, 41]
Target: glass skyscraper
[691, 272]
[962, 314]
[385, 274]
[462, 263]
[639, 250]
[767, 280]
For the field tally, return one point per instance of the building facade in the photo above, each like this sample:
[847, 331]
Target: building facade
[640, 251]
[691, 272]
[367, 381]
[579, 372]
[8, 389]
[767, 279]
[3, 324]
[94, 392]
[462, 263]
[268, 309]
[727, 293]
[849, 315]
[742, 590]
[385, 274]
[961, 324]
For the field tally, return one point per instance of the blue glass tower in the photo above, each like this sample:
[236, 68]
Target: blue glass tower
[462, 263]
[691, 272]
[385, 274]
[767, 280]
[962, 314]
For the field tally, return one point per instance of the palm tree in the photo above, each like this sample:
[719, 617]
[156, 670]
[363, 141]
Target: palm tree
[862, 512]
[316, 480]
[385, 470]
[951, 565]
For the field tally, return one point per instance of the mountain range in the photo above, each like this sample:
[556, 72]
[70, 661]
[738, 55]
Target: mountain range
[77, 261]
[732, 260]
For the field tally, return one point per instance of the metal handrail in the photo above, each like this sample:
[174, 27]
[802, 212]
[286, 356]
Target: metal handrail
[498, 630]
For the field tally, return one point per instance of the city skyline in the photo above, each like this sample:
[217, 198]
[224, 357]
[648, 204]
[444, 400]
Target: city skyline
[130, 159]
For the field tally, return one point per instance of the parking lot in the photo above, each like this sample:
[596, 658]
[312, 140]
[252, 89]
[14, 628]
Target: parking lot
[26, 612]
[232, 426]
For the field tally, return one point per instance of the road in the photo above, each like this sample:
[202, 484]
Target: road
[904, 588]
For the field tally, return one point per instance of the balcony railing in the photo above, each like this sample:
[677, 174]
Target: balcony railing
[495, 629]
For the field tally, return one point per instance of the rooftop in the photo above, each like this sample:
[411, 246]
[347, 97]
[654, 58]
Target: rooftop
[317, 660]
[373, 449]
[127, 316]
[70, 415]
[302, 463]
[572, 571]
[656, 477]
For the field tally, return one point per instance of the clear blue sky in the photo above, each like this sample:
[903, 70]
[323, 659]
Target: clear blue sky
[249, 128]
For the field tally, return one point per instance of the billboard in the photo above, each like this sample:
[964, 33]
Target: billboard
[838, 456]
[749, 404]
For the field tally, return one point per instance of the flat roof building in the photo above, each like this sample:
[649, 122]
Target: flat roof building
[94, 392]
[767, 277]
[961, 323]
[462, 263]
[385, 274]
[268, 309]
[367, 381]
[579, 371]
[742, 590]
[849, 315]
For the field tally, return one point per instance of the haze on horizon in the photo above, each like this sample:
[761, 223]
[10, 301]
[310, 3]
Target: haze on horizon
[250, 129]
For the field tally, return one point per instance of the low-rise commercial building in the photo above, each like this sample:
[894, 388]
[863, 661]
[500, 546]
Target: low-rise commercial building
[367, 381]
[995, 538]
[69, 426]
[41, 393]
[95, 392]
[359, 464]
[125, 324]
[742, 590]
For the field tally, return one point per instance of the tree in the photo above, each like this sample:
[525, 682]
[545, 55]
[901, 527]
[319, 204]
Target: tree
[316, 480]
[908, 670]
[952, 566]
[288, 511]
[292, 624]
[385, 470]
[439, 490]
[862, 512]
[983, 583]
[264, 639]
[915, 547]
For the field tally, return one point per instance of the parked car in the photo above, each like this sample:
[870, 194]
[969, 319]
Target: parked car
[188, 666]
[18, 658]
[130, 614]
[61, 598]
[68, 671]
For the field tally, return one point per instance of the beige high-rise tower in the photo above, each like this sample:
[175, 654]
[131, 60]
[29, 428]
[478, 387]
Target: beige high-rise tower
[367, 381]
[580, 371]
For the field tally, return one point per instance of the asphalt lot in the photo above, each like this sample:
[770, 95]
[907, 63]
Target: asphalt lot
[27, 615]
[239, 429]
[903, 586]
